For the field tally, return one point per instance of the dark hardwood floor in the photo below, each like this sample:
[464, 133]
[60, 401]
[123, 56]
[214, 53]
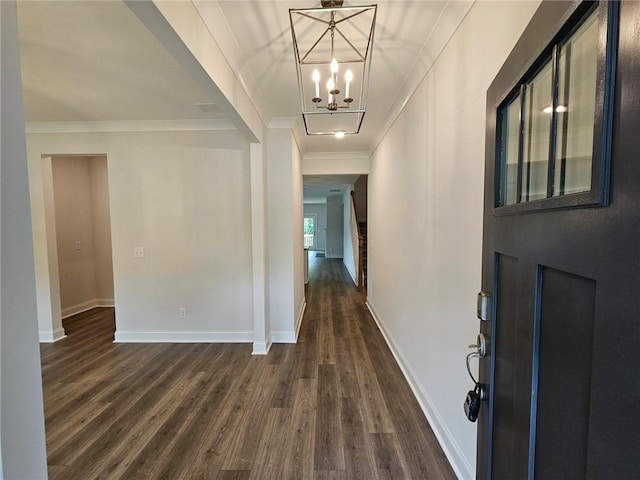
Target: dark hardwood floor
[334, 406]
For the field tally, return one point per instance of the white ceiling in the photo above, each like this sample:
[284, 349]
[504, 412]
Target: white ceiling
[95, 61]
[318, 187]
[402, 30]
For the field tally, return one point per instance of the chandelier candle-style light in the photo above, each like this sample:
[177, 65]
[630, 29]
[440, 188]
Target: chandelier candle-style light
[330, 44]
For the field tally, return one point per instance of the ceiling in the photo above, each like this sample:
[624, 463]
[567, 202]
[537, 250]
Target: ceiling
[92, 61]
[96, 61]
[318, 187]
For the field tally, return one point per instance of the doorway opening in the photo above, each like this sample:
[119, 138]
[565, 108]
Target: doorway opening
[81, 235]
[335, 213]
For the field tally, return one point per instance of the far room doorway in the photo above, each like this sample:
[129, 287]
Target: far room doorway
[82, 237]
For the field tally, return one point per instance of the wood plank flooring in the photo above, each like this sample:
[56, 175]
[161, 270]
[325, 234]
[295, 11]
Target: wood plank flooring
[333, 406]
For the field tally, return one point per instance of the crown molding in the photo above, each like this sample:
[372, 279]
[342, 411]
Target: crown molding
[130, 126]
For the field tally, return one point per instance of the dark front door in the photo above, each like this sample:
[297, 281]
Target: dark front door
[561, 254]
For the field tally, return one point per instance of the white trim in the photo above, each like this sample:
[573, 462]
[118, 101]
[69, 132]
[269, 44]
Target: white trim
[129, 126]
[332, 255]
[290, 336]
[303, 307]
[283, 336]
[170, 336]
[262, 348]
[83, 307]
[51, 336]
[459, 462]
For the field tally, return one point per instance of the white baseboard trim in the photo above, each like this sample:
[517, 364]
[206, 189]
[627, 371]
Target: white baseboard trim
[165, 336]
[461, 466]
[290, 336]
[283, 336]
[261, 348]
[51, 336]
[83, 307]
[303, 307]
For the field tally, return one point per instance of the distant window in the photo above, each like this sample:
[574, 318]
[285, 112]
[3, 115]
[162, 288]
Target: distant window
[309, 232]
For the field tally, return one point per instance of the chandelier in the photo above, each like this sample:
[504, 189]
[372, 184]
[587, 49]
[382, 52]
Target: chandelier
[332, 47]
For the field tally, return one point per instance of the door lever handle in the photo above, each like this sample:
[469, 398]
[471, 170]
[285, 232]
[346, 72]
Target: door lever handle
[480, 346]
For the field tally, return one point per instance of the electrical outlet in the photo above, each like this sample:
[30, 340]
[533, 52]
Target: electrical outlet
[182, 312]
[138, 252]
[78, 245]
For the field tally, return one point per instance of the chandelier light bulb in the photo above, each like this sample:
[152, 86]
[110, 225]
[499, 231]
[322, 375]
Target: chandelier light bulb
[334, 66]
[316, 79]
[348, 77]
[330, 87]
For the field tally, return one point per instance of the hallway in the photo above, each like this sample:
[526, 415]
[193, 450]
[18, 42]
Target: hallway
[333, 406]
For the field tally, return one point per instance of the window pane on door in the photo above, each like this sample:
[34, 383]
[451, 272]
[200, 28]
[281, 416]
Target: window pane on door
[576, 109]
[510, 131]
[537, 134]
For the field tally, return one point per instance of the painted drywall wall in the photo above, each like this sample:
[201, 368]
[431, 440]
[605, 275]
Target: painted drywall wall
[299, 253]
[335, 226]
[184, 198]
[45, 250]
[350, 237]
[22, 429]
[83, 233]
[285, 231]
[425, 221]
[320, 210]
[101, 215]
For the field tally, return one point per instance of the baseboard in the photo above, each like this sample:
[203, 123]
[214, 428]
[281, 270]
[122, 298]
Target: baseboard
[351, 274]
[164, 336]
[332, 255]
[262, 348]
[283, 336]
[461, 466]
[290, 336]
[83, 307]
[51, 336]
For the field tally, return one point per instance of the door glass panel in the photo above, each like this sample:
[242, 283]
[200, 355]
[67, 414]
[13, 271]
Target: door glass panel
[537, 133]
[576, 109]
[510, 130]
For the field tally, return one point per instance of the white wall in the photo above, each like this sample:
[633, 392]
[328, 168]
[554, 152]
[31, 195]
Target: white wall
[336, 163]
[285, 231]
[103, 260]
[425, 220]
[350, 240]
[21, 412]
[299, 259]
[320, 210]
[81, 199]
[335, 227]
[184, 197]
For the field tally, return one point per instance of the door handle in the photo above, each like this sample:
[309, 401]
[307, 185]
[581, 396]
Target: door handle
[480, 346]
[481, 352]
